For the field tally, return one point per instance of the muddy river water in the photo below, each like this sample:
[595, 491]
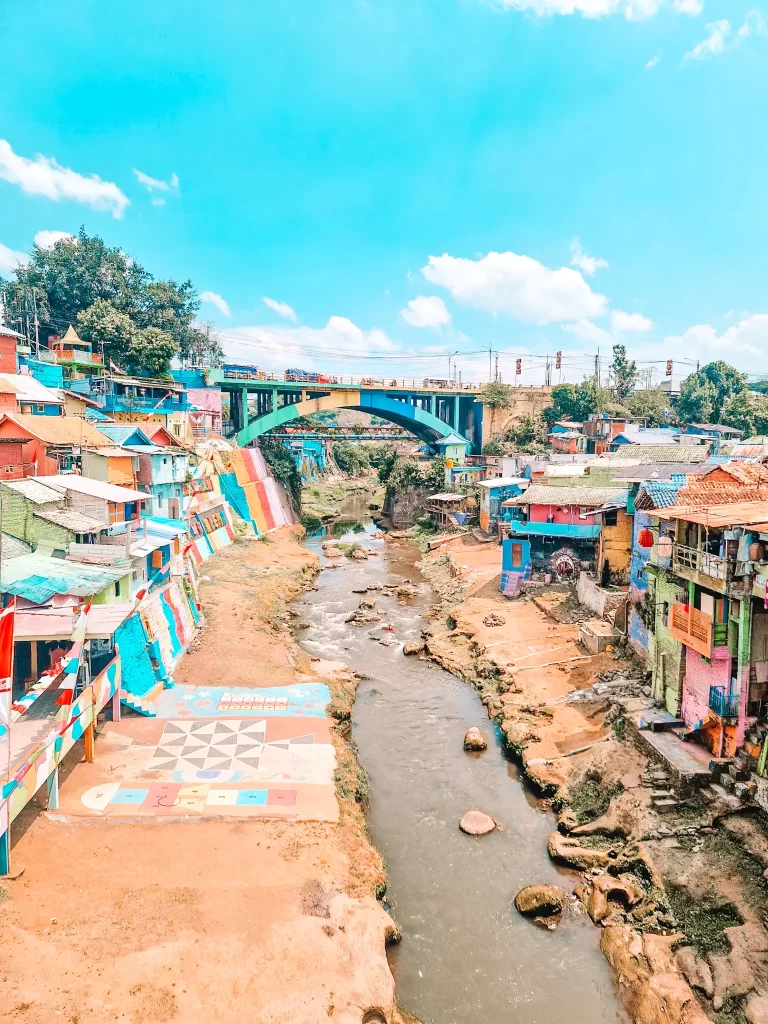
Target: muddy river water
[466, 955]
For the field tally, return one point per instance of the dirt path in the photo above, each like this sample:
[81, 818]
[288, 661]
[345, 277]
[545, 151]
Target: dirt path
[261, 921]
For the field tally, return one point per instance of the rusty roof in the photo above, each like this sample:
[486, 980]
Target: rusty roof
[740, 513]
[65, 430]
[743, 472]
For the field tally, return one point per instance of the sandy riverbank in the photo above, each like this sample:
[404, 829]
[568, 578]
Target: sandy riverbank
[680, 896]
[211, 920]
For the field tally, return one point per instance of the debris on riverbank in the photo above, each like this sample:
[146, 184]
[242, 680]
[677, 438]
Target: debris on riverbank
[676, 880]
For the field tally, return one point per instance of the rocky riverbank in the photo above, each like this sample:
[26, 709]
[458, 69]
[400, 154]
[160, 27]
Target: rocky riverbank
[680, 893]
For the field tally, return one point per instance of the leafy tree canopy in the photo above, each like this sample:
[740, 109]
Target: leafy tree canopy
[105, 293]
[623, 372]
[351, 458]
[653, 406]
[748, 412]
[704, 394]
[497, 395]
[578, 401]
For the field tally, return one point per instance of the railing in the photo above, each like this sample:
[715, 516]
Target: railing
[129, 403]
[691, 627]
[316, 381]
[724, 705]
[696, 560]
[720, 634]
[72, 355]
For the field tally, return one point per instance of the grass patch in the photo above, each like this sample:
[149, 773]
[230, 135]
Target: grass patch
[703, 919]
[591, 796]
[311, 523]
[732, 1012]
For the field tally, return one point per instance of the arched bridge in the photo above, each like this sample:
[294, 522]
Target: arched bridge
[432, 411]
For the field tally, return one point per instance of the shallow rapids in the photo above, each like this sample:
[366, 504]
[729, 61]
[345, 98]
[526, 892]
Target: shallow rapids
[466, 955]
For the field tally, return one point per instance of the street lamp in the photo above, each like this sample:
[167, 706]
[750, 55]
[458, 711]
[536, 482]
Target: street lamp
[450, 357]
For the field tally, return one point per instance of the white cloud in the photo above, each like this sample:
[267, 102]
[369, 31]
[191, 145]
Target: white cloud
[47, 239]
[337, 346]
[692, 7]
[43, 176]
[719, 31]
[157, 201]
[633, 10]
[10, 259]
[630, 322]
[588, 264]
[653, 62]
[216, 300]
[748, 338]
[281, 308]
[503, 282]
[426, 311]
[754, 25]
[157, 184]
[585, 330]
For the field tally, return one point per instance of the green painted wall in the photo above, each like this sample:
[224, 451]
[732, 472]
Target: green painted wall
[20, 521]
[666, 654]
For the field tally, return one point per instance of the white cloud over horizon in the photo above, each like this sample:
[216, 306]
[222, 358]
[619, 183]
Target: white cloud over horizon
[44, 176]
[10, 259]
[281, 308]
[653, 62]
[588, 264]
[426, 311]
[518, 286]
[214, 299]
[721, 38]
[47, 239]
[633, 10]
[333, 348]
[634, 322]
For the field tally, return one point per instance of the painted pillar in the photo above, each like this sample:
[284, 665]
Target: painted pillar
[33, 660]
[88, 737]
[244, 392]
[431, 404]
[5, 851]
[53, 789]
[745, 650]
[456, 413]
[275, 397]
[116, 705]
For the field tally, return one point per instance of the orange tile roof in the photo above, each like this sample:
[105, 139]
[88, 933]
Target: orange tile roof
[743, 472]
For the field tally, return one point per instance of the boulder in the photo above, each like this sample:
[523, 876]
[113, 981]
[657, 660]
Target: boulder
[360, 590]
[539, 900]
[607, 890]
[359, 555]
[361, 618]
[568, 851]
[414, 647]
[333, 552]
[756, 1010]
[494, 620]
[474, 739]
[697, 972]
[475, 823]
[567, 820]
[367, 604]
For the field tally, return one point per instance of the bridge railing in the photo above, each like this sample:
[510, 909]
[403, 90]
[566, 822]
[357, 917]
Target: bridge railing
[307, 380]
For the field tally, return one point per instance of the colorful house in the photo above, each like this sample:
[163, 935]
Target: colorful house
[44, 445]
[39, 514]
[74, 354]
[141, 400]
[493, 493]
[30, 396]
[114, 508]
[162, 473]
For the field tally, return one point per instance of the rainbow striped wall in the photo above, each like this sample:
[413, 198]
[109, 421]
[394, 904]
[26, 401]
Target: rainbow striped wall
[38, 762]
[253, 491]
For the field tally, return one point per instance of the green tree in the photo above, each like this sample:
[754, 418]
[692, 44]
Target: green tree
[384, 460]
[109, 330]
[571, 402]
[497, 395]
[151, 352]
[201, 346]
[435, 475]
[704, 393]
[351, 458]
[76, 274]
[653, 406]
[406, 472]
[526, 431]
[283, 466]
[748, 412]
[624, 373]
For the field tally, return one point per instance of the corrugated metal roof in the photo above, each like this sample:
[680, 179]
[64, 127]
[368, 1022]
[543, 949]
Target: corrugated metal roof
[58, 623]
[95, 488]
[120, 432]
[742, 472]
[719, 428]
[12, 546]
[587, 497]
[740, 513]
[649, 436]
[633, 454]
[656, 494]
[35, 491]
[502, 481]
[71, 519]
[37, 577]
[29, 389]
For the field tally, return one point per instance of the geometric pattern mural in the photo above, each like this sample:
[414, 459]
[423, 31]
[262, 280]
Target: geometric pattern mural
[230, 745]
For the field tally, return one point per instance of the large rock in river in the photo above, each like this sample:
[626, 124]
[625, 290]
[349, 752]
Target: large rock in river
[474, 739]
[475, 823]
[569, 851]
[540, 900]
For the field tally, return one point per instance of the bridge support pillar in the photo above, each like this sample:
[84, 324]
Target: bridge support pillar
[456, 410]
[274, 392]
[432, 404]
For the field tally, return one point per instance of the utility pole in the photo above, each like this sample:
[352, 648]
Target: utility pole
[547, 373]
[450, 357]
[37, 325]
[597, 368]
[489, 364]
[496, 371]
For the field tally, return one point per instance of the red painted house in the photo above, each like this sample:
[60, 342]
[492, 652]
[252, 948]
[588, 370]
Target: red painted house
[44, 445]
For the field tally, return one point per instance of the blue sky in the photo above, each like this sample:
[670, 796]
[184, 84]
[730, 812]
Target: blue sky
[345, 158]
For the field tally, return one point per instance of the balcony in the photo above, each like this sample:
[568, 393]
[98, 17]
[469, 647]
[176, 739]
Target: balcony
[696, 560]
[724, 705]
[693, 628]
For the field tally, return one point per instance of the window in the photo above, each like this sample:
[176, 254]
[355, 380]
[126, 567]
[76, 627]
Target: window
[611, 518]
[177, 429]
[517, 556]
[117, 588]
[41, 408]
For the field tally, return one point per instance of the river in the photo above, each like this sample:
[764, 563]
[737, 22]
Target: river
[466, 955]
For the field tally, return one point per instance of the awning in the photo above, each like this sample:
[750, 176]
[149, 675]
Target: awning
[575, 532]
